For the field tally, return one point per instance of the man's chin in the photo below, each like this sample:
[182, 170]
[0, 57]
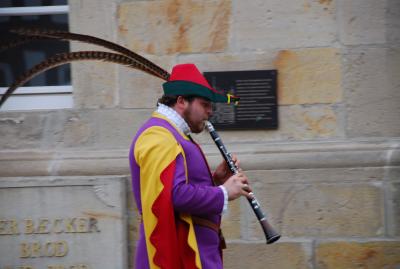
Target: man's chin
[198, 129]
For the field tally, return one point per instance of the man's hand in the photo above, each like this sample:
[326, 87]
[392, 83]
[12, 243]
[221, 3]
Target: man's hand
[236, 186]
[222, 173]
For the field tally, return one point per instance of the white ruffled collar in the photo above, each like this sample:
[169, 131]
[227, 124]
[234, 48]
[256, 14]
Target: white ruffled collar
[174, 117]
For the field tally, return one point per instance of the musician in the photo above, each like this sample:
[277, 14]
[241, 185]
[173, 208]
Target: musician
[179, 199]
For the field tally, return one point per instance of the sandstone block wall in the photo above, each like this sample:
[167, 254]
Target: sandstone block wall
[328, 176]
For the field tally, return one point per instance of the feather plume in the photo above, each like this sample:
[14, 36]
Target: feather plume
[147, 65]
[63, 58]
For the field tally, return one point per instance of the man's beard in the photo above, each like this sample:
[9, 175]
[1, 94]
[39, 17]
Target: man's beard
[187, 115]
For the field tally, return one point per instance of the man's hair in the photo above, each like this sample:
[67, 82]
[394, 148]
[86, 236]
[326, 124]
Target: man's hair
[170, 100]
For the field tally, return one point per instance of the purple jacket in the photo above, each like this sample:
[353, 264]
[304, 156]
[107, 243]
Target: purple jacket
[199, 197]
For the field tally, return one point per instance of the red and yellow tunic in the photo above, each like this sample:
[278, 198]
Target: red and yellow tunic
[172, 182]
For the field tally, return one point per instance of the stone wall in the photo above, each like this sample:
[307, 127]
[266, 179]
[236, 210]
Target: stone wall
[329, 177]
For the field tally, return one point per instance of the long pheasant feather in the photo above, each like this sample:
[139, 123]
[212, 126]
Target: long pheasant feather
[63, 58]
[61, 35]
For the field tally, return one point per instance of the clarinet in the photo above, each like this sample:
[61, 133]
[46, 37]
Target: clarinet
[270, 234]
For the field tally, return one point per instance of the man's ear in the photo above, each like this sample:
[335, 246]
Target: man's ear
[181, 101]
[181, 104]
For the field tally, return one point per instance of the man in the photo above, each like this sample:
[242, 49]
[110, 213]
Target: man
[179, 199]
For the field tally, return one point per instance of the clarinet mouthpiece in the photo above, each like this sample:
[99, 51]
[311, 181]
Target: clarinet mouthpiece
[209, 126]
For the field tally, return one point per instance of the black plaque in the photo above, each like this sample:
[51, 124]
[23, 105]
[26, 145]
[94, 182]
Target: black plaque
[257, 107]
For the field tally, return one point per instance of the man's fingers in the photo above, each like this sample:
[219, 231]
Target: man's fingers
[242, 178]
[235, 160]
[247, 194]
[246, 188]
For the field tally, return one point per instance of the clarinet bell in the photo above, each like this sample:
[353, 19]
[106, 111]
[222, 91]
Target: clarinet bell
[270, 234]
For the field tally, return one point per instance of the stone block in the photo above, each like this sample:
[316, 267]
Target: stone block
[231, 221]
[95, 83]
[53, 129]
[64, 163]
[310, 122]
[85, 128]
[71, 129]
[309, 76]
[116, 128]
[393, 208]
[88, 163]
[260, 25]
[362, 22]
[372, 92]
[134, 218]
[93, 16]
[295, 123]
[175, 26]
[20, 130]
[319, 209]
[141, 90]
[392, 173]
[283, 255]
[79, 131]
[207, 62]
[133, 229]
[32, 163]
[370, 254]
[320, 174]
[393, 22]
[63, 222]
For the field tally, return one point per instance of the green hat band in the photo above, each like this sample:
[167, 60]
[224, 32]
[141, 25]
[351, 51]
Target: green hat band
[180, 87]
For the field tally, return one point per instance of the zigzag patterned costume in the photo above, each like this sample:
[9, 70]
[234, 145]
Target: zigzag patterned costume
[173, 186]
[176, 183]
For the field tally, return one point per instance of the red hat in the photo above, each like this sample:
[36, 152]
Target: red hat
[186, 79]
